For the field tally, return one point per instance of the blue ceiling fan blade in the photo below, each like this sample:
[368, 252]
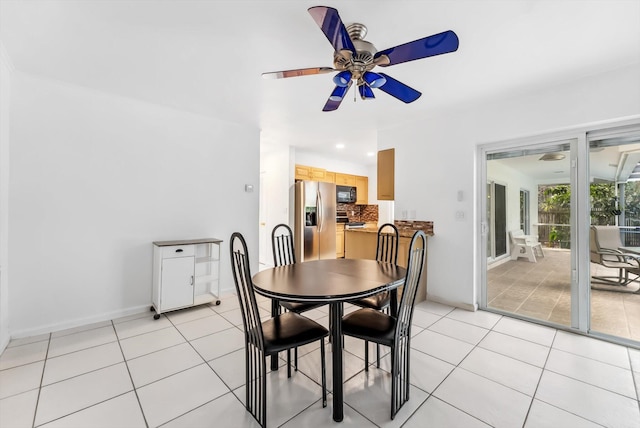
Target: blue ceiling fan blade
[336, 97]
[399, 90]
[429, 46]
[331, 25]
[365, 92]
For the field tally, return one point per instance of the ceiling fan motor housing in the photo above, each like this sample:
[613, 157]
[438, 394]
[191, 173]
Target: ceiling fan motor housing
[362, 60]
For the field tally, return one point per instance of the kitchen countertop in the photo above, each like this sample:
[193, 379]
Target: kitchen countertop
[404, 233]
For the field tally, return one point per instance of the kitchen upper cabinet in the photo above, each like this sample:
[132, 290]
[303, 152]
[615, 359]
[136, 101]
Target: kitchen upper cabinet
[304, 172]
[310, 173]
[386, 175]
[345, 179]
[362, 189]
[330, 177]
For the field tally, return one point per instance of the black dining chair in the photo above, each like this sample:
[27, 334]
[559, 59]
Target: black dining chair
[393, 331]
[284, 254]
[263, 339]
[386, 251]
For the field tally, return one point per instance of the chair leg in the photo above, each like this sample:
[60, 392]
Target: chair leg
[288, 362]
[295, 359]
[324, 374]
[530, 254]
[378, 354]
[366, 355]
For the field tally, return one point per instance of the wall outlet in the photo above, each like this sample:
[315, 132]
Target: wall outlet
[459, 215]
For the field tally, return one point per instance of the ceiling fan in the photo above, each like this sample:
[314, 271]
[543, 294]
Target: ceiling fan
[354, 58]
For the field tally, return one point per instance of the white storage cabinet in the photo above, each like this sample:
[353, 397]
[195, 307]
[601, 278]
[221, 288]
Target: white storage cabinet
[185, 273]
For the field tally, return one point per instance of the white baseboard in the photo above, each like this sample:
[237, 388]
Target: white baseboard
[465, 306]
[51, 328]
[4, 343]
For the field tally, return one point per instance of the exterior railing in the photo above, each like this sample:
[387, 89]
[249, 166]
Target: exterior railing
[629, 235]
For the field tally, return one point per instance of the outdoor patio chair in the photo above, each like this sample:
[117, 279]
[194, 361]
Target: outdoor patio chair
[525, 246]
[605, 249]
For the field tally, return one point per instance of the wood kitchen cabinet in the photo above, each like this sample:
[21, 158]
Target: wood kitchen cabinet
[362, 189]
[304, 172]
[345, 179]
[330, 177]
[340, 240]
[386, 175]
[362, 245]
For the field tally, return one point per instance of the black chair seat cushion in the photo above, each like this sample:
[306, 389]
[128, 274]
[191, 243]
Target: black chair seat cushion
[378, 301]
[300, 307]
[290, 330]
[369, 324]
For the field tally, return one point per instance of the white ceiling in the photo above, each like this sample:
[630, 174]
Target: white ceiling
[207, 56]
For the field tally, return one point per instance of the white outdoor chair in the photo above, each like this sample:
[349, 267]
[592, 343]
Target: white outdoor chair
[524, 246]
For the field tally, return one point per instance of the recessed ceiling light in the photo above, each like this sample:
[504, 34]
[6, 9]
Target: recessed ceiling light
[370, 153]
[552, 157]
[339, 146]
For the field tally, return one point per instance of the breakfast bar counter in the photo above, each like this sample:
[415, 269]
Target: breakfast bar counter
[361, 243]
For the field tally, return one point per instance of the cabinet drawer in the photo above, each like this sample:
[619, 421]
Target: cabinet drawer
[178, 251]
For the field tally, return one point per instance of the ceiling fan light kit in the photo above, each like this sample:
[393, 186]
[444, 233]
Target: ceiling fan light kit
[552, 157]
[354, 58]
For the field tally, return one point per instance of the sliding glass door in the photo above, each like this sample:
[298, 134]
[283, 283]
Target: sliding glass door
[614, 164]
[572, 220]
[534, 280]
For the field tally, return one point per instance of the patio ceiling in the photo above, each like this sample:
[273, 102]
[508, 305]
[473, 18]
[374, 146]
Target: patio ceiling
[617, 163]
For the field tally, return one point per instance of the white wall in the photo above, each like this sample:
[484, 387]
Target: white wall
[303, 157]
[95, 178]
[435, 158]
[278, 177]
[5, 91]
[515, 181]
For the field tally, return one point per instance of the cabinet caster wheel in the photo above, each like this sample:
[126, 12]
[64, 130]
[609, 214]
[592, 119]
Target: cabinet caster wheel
[151, 309]
[217, 302]
[156, 317]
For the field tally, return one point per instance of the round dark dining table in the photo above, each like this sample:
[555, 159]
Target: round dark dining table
[332, 281]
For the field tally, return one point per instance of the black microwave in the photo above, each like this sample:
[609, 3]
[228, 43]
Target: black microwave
[346, 195]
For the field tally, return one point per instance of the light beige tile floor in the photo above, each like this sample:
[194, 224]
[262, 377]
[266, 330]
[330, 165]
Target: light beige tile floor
[468, 369]
[541, 290]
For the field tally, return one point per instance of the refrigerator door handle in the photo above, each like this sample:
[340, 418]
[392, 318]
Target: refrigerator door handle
[320, 210]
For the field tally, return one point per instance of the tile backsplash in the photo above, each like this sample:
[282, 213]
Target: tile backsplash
[366, 213]
[426, 226]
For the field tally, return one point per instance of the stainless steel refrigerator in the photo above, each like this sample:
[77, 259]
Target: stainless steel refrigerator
[315, 220]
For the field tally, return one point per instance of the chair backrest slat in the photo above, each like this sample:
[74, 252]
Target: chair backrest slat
[244, 288]
[282, 245]
[388, 239]
[417, 255]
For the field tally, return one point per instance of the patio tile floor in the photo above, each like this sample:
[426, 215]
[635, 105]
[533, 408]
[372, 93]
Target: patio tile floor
[542, 291]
